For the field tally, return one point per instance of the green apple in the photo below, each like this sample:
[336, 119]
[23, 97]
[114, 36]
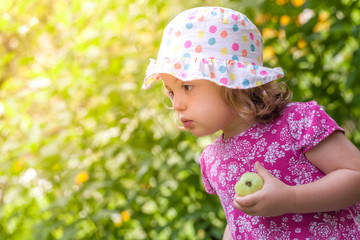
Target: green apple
[249, 182]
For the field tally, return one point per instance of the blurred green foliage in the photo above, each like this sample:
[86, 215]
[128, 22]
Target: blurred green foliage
[86, 154]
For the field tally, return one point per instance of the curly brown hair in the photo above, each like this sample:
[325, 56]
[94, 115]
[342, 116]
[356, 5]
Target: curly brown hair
[263, 103]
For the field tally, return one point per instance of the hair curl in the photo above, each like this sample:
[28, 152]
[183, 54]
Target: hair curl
[262, 104]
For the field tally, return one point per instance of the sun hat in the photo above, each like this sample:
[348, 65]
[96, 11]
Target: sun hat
[213, 43]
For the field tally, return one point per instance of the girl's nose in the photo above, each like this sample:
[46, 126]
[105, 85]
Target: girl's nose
[179, 103]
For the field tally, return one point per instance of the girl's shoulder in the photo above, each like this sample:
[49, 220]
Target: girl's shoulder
[302, 106]
[307, 113]
[302, 109]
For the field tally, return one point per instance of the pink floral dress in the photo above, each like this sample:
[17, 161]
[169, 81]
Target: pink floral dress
[279, 146]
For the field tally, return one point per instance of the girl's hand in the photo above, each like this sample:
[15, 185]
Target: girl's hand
[275, 198]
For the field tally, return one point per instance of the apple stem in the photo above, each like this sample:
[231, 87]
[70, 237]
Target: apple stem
[248, 183]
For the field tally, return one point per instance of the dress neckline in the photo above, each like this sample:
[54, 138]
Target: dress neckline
[225, 140]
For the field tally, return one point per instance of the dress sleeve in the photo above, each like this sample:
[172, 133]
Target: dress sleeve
[310, 124]
[204, 164]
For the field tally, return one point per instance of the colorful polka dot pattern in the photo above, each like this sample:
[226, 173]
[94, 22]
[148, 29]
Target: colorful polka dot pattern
[217, 44]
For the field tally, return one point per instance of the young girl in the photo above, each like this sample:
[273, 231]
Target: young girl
[210, 62]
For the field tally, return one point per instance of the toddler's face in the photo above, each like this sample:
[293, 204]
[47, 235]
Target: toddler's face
[201, 108]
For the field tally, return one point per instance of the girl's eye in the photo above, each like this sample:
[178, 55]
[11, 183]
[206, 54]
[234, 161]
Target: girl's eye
[187, 87]
[170, 94]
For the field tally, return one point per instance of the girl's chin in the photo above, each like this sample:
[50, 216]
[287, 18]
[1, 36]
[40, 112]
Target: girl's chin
[200, 133]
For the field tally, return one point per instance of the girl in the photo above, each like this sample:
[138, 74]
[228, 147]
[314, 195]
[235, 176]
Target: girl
[210, 62]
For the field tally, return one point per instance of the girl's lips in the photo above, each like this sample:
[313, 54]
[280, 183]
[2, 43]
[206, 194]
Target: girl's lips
[186, 123]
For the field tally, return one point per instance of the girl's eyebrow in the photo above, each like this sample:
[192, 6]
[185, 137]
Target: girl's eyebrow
[182, 82]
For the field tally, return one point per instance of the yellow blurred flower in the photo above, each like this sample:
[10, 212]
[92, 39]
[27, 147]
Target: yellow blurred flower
[19, 166]
[268, 53]
[298, 3]
[281, 2]
[267, 16]
[118, 224]
[285, 20]
[125, 215]
[301, 43]
[117, 219]
[321, 27]
[268, 33]
[120, 218]
[201, 234]
[282, 34]
[323, 16]
[81, 177]
[260, 19]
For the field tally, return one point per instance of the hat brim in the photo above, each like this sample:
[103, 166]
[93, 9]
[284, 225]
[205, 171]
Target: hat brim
[227, 73]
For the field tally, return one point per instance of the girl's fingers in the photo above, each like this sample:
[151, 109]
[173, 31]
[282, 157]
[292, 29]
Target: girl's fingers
[263, 172]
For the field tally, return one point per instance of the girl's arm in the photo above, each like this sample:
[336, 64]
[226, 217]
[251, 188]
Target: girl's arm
[337, 157]
[227, 234]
